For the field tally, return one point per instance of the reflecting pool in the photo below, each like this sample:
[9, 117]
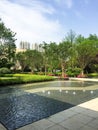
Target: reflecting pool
[24, 104]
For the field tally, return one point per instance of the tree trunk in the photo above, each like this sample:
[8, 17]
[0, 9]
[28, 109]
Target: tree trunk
[32, 71]
[63, 70]
[45, 70]
[82, 72]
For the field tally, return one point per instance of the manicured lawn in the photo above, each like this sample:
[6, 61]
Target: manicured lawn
[9, 79]
[93, 75]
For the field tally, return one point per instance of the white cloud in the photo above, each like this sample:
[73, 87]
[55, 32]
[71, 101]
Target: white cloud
[30, 22]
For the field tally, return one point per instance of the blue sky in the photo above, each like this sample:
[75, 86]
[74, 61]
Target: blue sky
[36, 21]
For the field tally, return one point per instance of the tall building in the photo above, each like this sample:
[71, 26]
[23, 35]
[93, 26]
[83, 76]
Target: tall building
[36, 46]
[24, 45]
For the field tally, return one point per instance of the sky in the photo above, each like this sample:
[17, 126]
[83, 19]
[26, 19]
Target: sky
[35, 21]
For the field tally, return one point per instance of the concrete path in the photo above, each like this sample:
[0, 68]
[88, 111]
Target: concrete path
[84, 79]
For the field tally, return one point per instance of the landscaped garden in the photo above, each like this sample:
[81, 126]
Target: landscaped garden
[9, 79]
[74, 56]
[22, 103]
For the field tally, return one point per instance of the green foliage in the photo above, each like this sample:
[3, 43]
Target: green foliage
[52, 55]
[79, 39]
[64, 54]
[21, 57]
[7, 45]
[92, 75]
[4, 71]
[73, 51]
[3, 62]
[23, 78]
[85, 53]
[70, 36]
[64, 50]
[59, 73]
[73, 72]
[34, 59]
[30, 60]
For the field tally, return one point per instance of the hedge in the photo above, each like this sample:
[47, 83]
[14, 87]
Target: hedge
[9, 79]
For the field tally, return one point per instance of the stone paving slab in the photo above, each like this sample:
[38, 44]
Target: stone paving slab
[2, 127]
[94, 124]
[61, 116]
[82, 118]
[72, 124]
[57, 127]
[87, 128]
[39, 125]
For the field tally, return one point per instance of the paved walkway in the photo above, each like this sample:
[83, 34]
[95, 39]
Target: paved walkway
[84, 79]
[81, 117]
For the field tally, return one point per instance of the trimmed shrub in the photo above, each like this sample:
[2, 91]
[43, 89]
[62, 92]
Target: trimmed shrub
[93, 75]
[58, 73]
[23, 78]
[4, 71]
[73, 72]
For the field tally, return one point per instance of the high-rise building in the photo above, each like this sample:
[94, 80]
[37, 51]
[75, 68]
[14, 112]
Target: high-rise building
[24, 45]
[37, 47]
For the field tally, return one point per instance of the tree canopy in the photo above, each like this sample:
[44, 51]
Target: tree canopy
[74, 51]
[7, 45]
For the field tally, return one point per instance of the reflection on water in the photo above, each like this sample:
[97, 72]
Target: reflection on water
[73, 92]
[74, 97]
[24, 104]
[55, 89]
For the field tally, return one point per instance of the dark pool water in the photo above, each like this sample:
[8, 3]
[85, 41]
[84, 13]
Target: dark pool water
[19, 107]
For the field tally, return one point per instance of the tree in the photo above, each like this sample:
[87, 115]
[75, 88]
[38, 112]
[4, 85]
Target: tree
[52, 53]
[73, 59]
[21, 60]
[45, 55]
[93, 37]
[70, 37]
[34, 59]
[63, 54]
[85, 52]
[7, 43]
[79, 39]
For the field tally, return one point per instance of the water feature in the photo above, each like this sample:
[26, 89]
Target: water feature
[24, 104]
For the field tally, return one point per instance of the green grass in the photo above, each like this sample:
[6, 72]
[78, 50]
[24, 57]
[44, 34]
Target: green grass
[9, 79]
[93, 75]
